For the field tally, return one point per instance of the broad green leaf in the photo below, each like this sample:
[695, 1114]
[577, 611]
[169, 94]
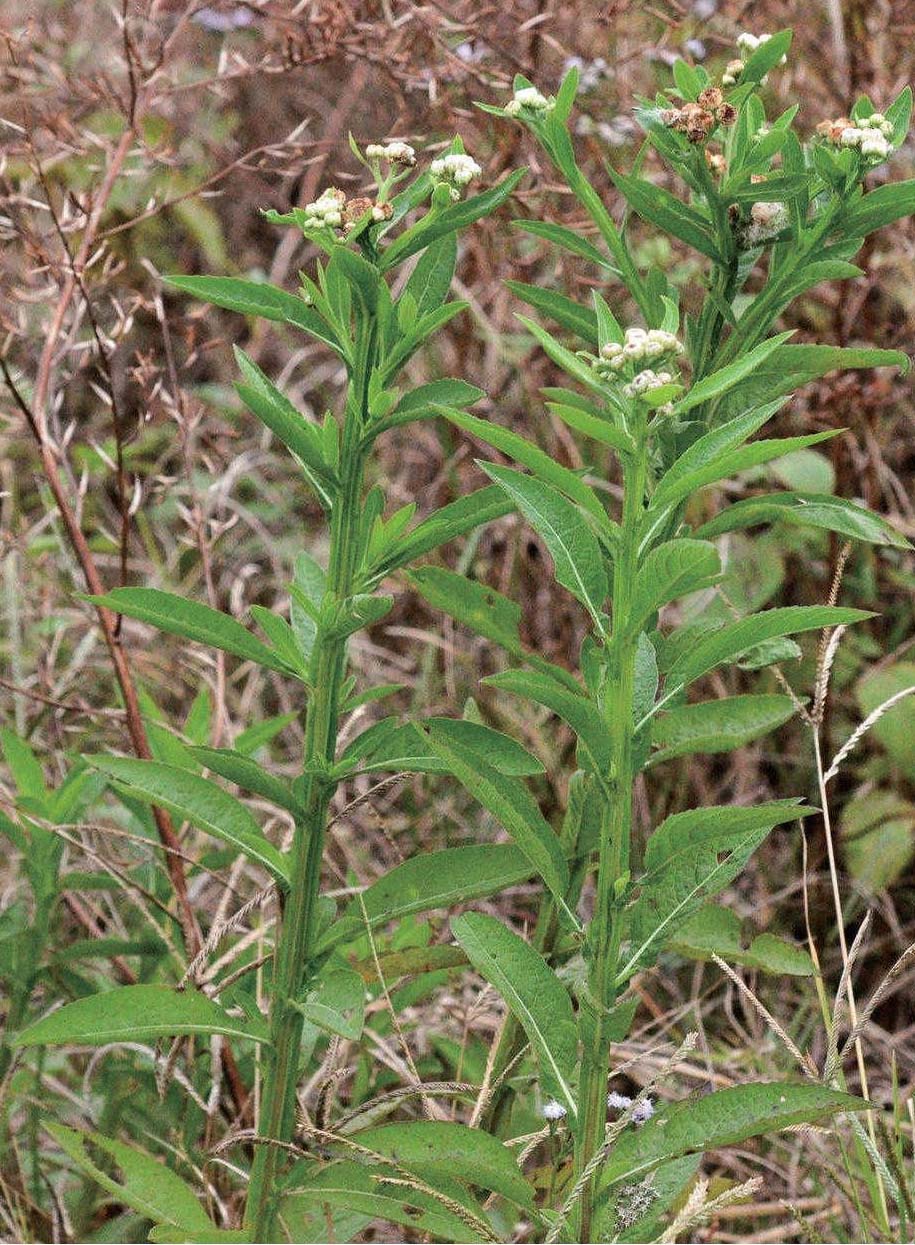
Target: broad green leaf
[878, 837]
[198, 801]
[670, 571]
[537, 461]
[149, 1187]
[436, 1149]
[558, 307]
[565, 359]
[306, 597]
[671, 215]
[726, 378]
[351, 1186]
[733, 640]
[723, 1118]
[896, 728]
[336, 1002]
[420, 402]
[711, 447]
[690, 858]
[284, 420]
[834, 514]
[192, 621]
[573, 707]
[437, 224]
[258, 298]
[135, 1014]
[246, 773]
[512, 805]
[714, 930]
[432, 880]
[24, 766]
[430, 281]
[718, 725]
[533, 992]
[880, 207]
[484, 610]
[455, 519]
[566, 239]
[593, 426]
[573, 546]
[767, 56]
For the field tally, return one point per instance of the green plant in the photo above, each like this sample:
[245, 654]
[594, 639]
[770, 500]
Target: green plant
[773, 216]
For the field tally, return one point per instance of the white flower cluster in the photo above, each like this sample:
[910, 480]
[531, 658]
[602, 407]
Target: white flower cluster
[394, 153]
[327, 210]
[747, 44]
[456, 170]
[872, 137]
[645, 381]
[640, 345]
[530, 99]
[642, 1112]
[553, 1110]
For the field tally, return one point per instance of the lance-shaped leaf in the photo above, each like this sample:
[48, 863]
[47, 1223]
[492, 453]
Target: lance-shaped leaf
[880, 207]
[724, 1118]
[431, 880]
[573, 546]
[726, 378]
[425, 400]
[691, 857]
[822, 510]
[192, 621]
[533, 992]
[573, 706]
[136, 1014]
[258, 298]
[438, 1150]
[670, 571]
[148, 1187]
[714, 930]
[567, 239]
[571, 315]
[456, 519]
[392, 746]
[659, 207]
[198, 801]
[733, 640]
[336, 1003]
[511, 804]
[718, 725]
[246, 773]
[430, 281]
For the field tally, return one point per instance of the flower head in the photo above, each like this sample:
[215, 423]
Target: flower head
[527, 99]
[327, 210]
[394, 153]
[871, 136]
[622, 359]
[455, 170]
[553, 1110]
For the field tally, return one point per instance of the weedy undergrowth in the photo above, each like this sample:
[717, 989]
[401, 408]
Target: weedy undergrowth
[676, 403]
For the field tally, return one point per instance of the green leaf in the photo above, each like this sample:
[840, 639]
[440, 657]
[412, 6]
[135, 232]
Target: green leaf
[718, 725]
[484, 610]
[149, 1187]
[430, 281]
[511, 804]
[723, 1118]
[246, 773]
[421, 402]
[566, 239]
[336, 1003]
[565, 359]
[572, 706]
[659, 207]
[717, 931]
[437, 224]
[192, 621]
[285, 421]
[822, 510]
[258, 298]
[737, 638]
[407, 748]
[135, 1014]
[533, 992]
[432, 880]
[766, 57]
[197, 800]
[726, 378]
[539, 463]
[881, 207]
[670, 571]
[599, 429]
[573, 546]
[350, 1186]
[456, 519]
[691, 857]
[896, 728]
[571, 315]
[878, 832]
[435, 1149]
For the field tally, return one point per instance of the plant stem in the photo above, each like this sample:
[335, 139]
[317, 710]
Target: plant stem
[296, 931]
[615, 832]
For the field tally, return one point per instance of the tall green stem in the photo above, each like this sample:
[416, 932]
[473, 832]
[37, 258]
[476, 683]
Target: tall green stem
[615, 833]
[296, 932]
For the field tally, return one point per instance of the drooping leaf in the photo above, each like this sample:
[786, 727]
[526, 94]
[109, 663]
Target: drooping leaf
[197, 800]
[833, 514]
[389, 746]
[718, 725]
[571, 315]
[135, 1014]
[533, 992]
[714, 930]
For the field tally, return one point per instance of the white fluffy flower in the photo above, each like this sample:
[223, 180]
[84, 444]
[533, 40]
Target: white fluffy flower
[618, 1102]
[871, 137]
[641, 1112]
[394, 153]
[553, 1110]
[327, 210]
[529, 98]
[456, 170]
[645, 381]
[638, 346]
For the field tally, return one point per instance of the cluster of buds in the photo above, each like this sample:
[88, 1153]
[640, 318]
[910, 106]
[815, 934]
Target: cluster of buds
[698, 120]
[871, 136]
[528, 99]
[393, 153]
[647, 380]
[747, 44]
[455, 170]
[327, 210]
[640, 346]
[356, 209]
